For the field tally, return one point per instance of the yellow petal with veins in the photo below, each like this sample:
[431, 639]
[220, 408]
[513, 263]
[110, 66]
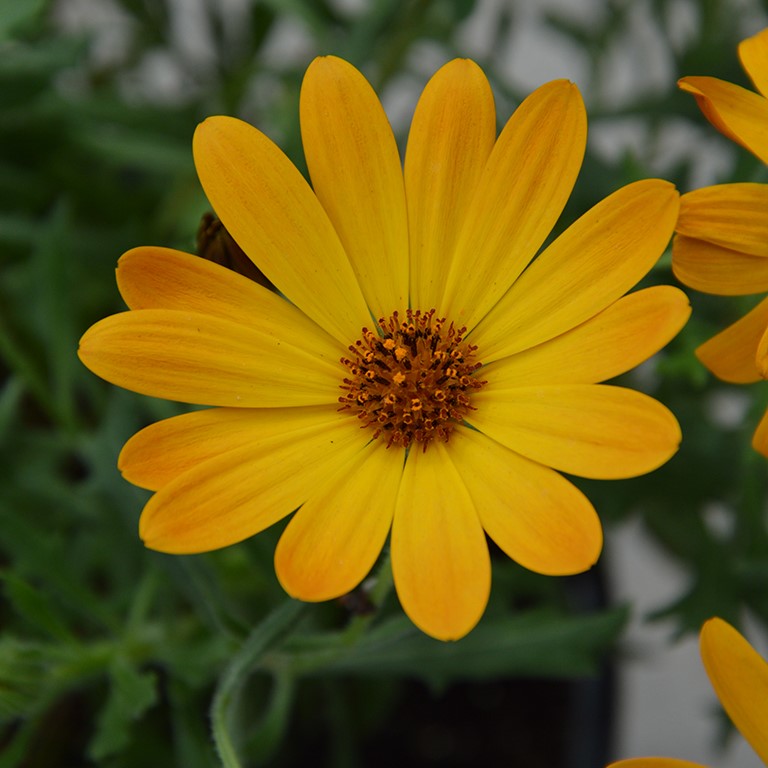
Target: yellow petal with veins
[655, 762]
[206, 360]
[356, 174]
[730, 355]
[242, 491]
[594, 262]
[162, 278]
[760, 438]
[588, 430]
[519, 197]
[440, 560]
[736, 112]
[614, 341]
[713, 269]
[167, 449]
[332, 542]
[753, 53]
[451, 136]
[733, 216]
[534, 514]
[739, 676]
[273, 215]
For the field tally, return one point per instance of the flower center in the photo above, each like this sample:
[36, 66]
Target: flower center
[412, 380]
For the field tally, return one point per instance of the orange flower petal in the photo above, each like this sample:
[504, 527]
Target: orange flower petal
[440, 559]
[736, 112]
[203, 359]
[167, 449]
[730, 355]
[760, 438]
[595, 261]
[534, 514]
[356, 174]
[733, 216]
[655, 762]
[739, 676]
[161, 278]
[617, 339]
[761, 355]
[248, 488]
[273, 215]
[519, 197]
[333, 541]
[753, 53]
[588, 430]
[451, 137]
[714, 269]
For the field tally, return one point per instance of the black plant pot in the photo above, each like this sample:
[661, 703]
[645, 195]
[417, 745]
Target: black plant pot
[520, 722]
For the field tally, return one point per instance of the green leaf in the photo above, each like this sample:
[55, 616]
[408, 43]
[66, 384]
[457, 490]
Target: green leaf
[54, 308]
[192, 744]
[36, 607]
[131, 693]
[269, 734]
[264, 637]
[152, 153]
[32, 674]
[22, 64]
[15, 14]
[10, 399]
[15, 748]
[541, 643]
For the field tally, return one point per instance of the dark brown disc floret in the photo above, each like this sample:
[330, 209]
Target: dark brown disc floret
[411, 380]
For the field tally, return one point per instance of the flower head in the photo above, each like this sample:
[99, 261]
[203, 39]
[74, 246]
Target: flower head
[721, 245]
[419, 375]
[739, 676]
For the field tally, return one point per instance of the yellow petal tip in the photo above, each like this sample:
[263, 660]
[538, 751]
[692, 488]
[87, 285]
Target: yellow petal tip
[685, 84]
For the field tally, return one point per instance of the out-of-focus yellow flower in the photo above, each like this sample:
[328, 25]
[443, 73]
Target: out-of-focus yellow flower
[739, 676]
[721, 245]
[419, 371]
[738, 113]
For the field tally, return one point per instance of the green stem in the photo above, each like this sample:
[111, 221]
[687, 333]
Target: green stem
[382, 587]
[21, 364]
[265, 636]
[142, 601]
[269, 734]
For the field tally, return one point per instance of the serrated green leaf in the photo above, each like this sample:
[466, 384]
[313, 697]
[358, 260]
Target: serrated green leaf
[24, 681]
[131, 693]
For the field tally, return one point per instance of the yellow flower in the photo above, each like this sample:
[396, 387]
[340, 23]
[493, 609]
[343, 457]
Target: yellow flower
[722, 234]
[740, 679]
[419, 371]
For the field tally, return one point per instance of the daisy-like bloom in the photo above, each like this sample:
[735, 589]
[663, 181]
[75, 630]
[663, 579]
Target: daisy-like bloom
[739, 676]
[722, 241]
[419, 375]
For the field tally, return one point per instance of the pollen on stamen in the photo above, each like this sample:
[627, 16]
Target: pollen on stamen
[411, 381]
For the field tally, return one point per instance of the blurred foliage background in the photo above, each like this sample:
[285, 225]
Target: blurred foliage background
[112, 655]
